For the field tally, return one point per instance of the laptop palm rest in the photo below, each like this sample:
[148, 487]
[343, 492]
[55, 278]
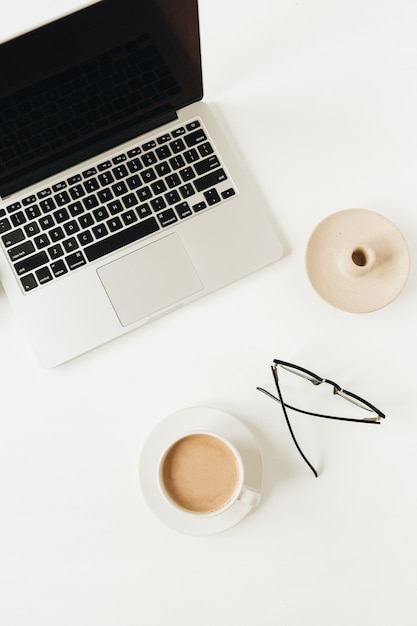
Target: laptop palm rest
[149, 280]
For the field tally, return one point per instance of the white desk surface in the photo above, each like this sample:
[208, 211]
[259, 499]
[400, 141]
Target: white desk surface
[321, 98]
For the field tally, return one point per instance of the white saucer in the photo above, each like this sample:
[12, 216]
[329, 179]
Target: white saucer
[173, 427]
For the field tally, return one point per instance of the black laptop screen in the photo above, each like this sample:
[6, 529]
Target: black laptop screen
[93, 79]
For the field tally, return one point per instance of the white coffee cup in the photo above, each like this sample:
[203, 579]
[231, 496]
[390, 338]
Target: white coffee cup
[203, 474]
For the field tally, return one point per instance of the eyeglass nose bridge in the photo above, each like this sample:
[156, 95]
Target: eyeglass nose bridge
[336, 388]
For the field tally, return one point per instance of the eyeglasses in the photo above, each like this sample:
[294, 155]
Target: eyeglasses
[318, 380]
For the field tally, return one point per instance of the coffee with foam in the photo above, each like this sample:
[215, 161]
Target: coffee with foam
[200, 473]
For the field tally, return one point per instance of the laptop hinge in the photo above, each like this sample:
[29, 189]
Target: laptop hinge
[80, 154]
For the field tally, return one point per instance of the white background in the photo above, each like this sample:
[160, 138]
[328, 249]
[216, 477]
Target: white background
[321, 99]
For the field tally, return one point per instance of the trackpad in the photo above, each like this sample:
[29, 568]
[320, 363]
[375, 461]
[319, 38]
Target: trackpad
[148, 280]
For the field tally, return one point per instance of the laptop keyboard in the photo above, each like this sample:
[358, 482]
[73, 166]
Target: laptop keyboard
[80, 219]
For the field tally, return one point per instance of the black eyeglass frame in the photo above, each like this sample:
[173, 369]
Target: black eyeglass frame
[318, 380]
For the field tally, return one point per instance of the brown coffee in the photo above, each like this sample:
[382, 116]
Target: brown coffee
[200, 473]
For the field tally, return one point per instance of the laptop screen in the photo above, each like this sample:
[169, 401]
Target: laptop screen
[91, 80]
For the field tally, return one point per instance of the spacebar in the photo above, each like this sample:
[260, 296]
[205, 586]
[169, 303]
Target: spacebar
[120, 239]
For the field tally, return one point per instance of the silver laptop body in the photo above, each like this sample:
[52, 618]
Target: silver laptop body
[144, 209]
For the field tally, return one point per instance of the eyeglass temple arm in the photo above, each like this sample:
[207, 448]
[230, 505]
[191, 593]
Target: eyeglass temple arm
[275, 375]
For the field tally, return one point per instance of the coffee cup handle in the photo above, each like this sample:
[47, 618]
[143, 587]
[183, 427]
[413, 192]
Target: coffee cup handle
[249, 497]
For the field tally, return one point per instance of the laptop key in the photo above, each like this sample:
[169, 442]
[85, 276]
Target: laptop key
[77, 192]
[114, 224]
[134, 165]
[207, 165]
[196, 137]
[144, 194]
[70, 244]
[164, 138]
[120, 172]
[56, 234]
[191, 155]
[43, 275]
[187, 174]
[90, 172]
[200, 206]
[115, 207]
[21, 250]
[105, 195]
[149, 159]
[158, 204]
[177, 146]
[55, 252]
[17, 219]
[101, 214]
[183, 210]
[176, 162]
[61, 215]
[193, 125]
[5, 225]
[62, 198]
[32, 229]
[119, 158]
[75, 260]
[130, 200]
[209, 180]
[173, 180]
[13, 207]
[71, 227]
[172, 197]
[228, 193]
[47, 205]
[166, 218]
[29, 200]
[212, 196]
[85, 237]
[29, 282]
[42, 241]
[100, 231]
[119, 189]
[91, 185]
[134, 182]
[121, 238]
[106, 178]
[144, 210]
[59, 268]
[74, 179]
[31, 263]
[76, 209]
[129, 217]
[90, 202]
[46, 222]
[32, 212]
[14, 237]
[104, 166]
[187, 190]
[59, 186]
[133, 152]
[205, 149]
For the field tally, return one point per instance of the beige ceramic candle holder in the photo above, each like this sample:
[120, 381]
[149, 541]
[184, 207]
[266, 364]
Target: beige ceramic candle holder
[357, 260]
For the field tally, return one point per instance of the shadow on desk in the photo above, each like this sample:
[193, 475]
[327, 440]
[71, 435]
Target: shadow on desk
[277, 466]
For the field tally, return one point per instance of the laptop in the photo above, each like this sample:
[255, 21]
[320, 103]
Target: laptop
[120, 197]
